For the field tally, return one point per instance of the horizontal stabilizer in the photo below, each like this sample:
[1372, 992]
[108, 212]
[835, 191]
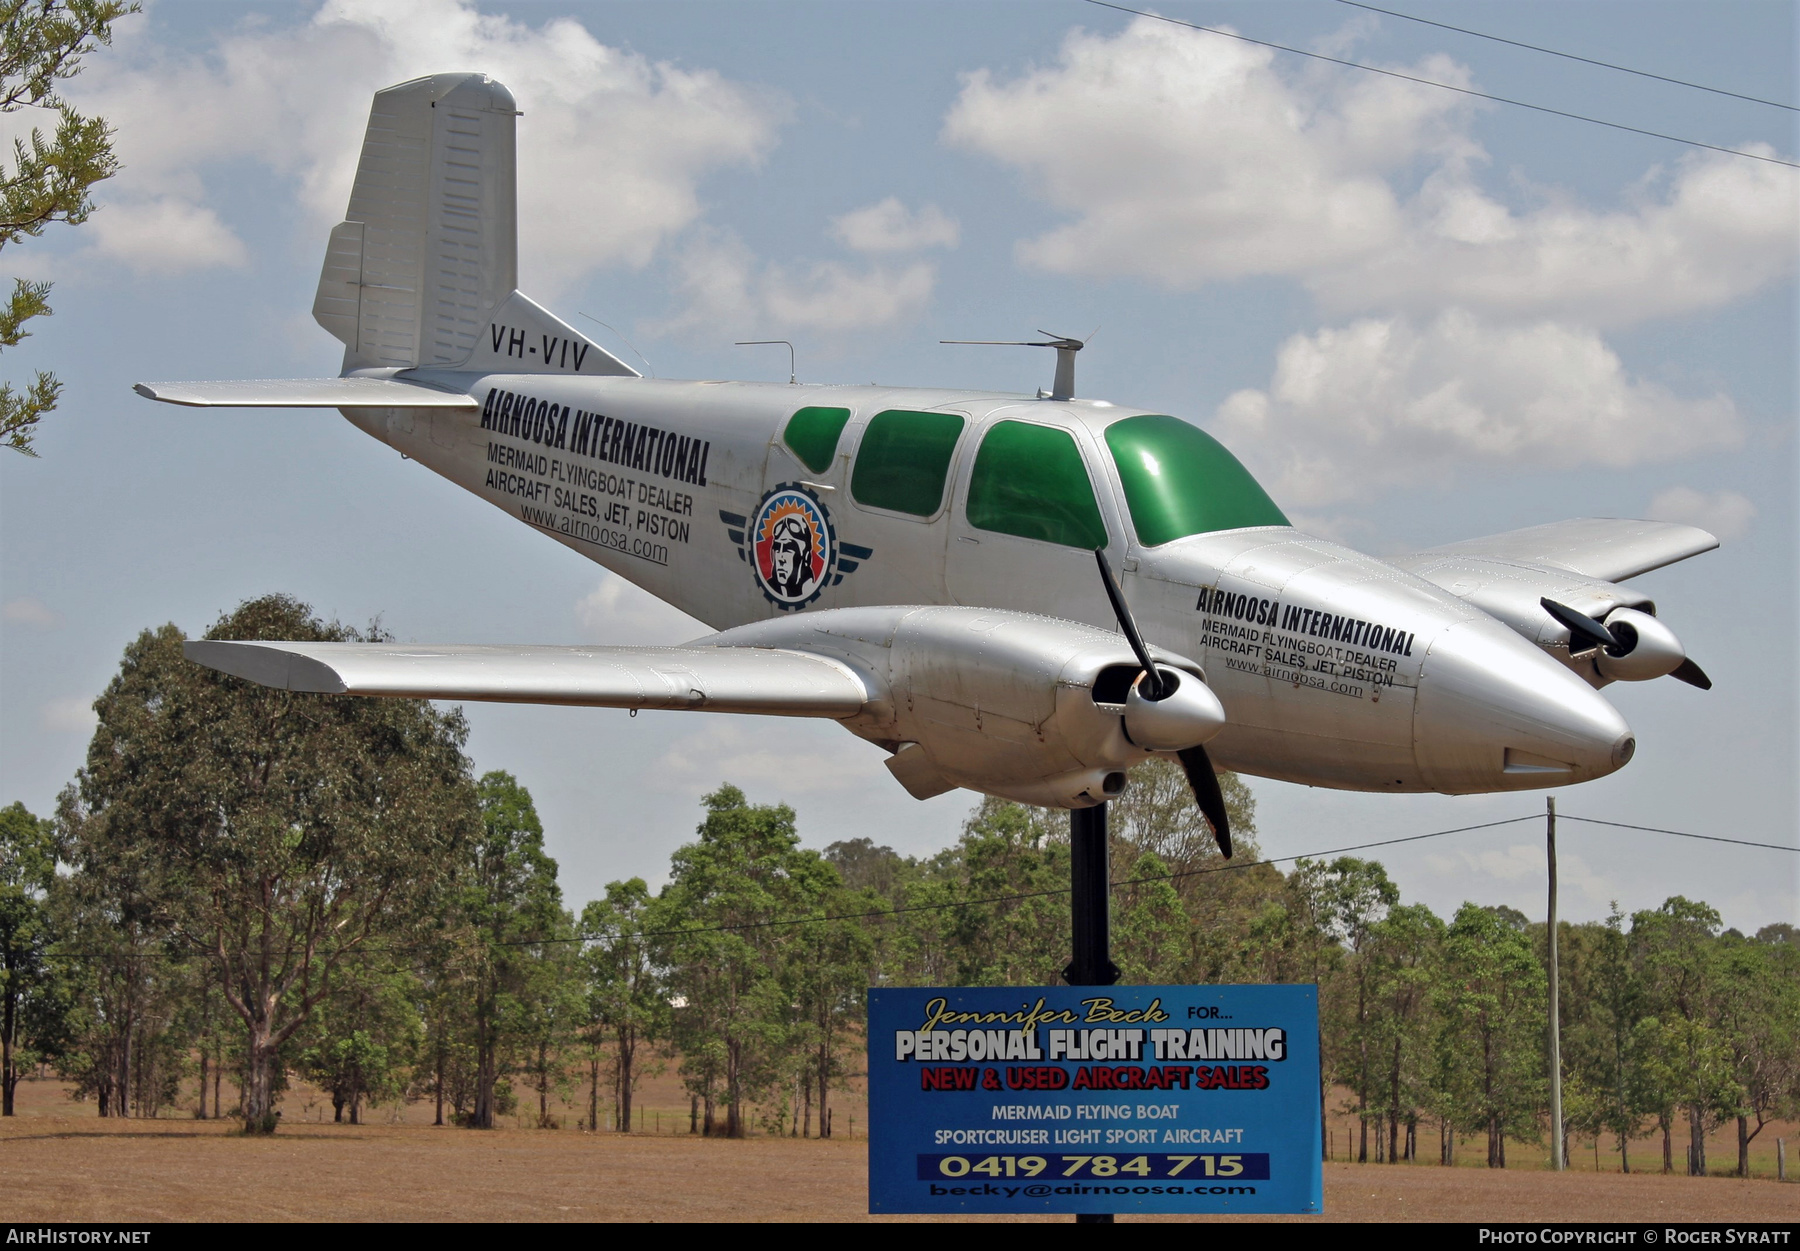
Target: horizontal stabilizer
[713, 679]
[1604, 548]
[304, 393]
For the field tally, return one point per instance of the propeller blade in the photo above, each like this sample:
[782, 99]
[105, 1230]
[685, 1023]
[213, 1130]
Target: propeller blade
[1692, 674]
[1152, 682]
[1580, 624]
[1205, 783]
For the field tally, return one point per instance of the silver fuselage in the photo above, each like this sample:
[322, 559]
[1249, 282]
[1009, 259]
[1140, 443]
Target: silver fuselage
[1334, 668]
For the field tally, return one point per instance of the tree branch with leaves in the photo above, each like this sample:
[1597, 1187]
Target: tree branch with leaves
[50, 178]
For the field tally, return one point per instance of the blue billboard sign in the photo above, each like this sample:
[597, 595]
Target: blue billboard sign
[1095, 1099]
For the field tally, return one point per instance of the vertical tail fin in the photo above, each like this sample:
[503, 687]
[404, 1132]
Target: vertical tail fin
[426, 265]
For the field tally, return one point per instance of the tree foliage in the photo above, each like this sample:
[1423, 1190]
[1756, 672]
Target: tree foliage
[278, 887]
[512, 932]
[51, 177]
[276, 833]
[27, 871]
[628, 1006]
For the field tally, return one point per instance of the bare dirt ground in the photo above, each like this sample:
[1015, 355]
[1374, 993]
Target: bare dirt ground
[60, 1162]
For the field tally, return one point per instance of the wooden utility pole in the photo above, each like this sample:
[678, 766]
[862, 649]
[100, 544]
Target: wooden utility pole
[1556, 1111]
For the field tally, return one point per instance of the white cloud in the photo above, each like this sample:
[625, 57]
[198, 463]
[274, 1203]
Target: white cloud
[164, 235]
[725, 285]
[1383, 401]
[619, 613]
[1524, 864]
[782, 757]
[889, 227]
[69, 716]
[29, 611]
[1713, 229]
[612, 146]
[1184, 159]
[1726, 513]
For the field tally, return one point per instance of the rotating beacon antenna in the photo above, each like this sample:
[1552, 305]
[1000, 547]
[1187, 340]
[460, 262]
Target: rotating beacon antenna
[1063, 387]
[1169, 711]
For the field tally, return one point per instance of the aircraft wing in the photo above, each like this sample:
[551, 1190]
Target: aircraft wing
[714, 679]
[1605, 549]
[305, 393]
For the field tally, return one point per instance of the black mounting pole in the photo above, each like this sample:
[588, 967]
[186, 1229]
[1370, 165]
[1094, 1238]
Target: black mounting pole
[1089, 913]
[1089, 919]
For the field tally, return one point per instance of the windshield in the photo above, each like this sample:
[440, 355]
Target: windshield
[1179, 480]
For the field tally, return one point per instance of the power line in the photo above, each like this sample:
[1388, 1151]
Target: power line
[1570, 56]
[781, 922]
[1651, 829]
[880, 912]
[1042, 894]
[1465, 91]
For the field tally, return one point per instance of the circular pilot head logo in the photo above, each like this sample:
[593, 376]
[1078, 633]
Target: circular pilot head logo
[793, 546]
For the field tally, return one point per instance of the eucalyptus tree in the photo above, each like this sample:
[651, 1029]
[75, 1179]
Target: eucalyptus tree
[727, 892]
[627, 996]
[278, 834]
[829, 968]
[116, 956]
[1762, 1016]
[1489, 1000]
[505, 896]
[1677, 953]
[993, 907]
[1614, 1002]
[1151, 930]
[27, 871]
[1350, 897]
[362, 1042]
[1401, 956]
[862, 864]
[1157, 815]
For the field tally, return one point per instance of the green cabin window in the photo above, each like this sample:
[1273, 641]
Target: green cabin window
[1179, 480]
[904, 459]
[812, 435]
[1031, 481]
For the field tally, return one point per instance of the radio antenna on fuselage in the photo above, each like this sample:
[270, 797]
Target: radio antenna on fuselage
[1063, 387]
[793, 377]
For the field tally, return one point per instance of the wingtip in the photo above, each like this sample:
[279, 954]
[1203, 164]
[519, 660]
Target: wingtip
[266, 664]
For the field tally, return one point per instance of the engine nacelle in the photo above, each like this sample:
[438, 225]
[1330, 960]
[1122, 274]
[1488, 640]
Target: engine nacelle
[1647, 648]
[1185, 714]
[999, 702]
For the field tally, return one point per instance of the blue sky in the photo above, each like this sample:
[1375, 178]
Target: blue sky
[1418, 317]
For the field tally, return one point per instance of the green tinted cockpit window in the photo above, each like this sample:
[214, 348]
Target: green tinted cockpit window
[813, 433]
[904, 459]
[1031, 481]
[1179, 480]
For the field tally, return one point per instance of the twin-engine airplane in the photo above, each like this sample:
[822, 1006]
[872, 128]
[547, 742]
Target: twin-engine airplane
[920, 565]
